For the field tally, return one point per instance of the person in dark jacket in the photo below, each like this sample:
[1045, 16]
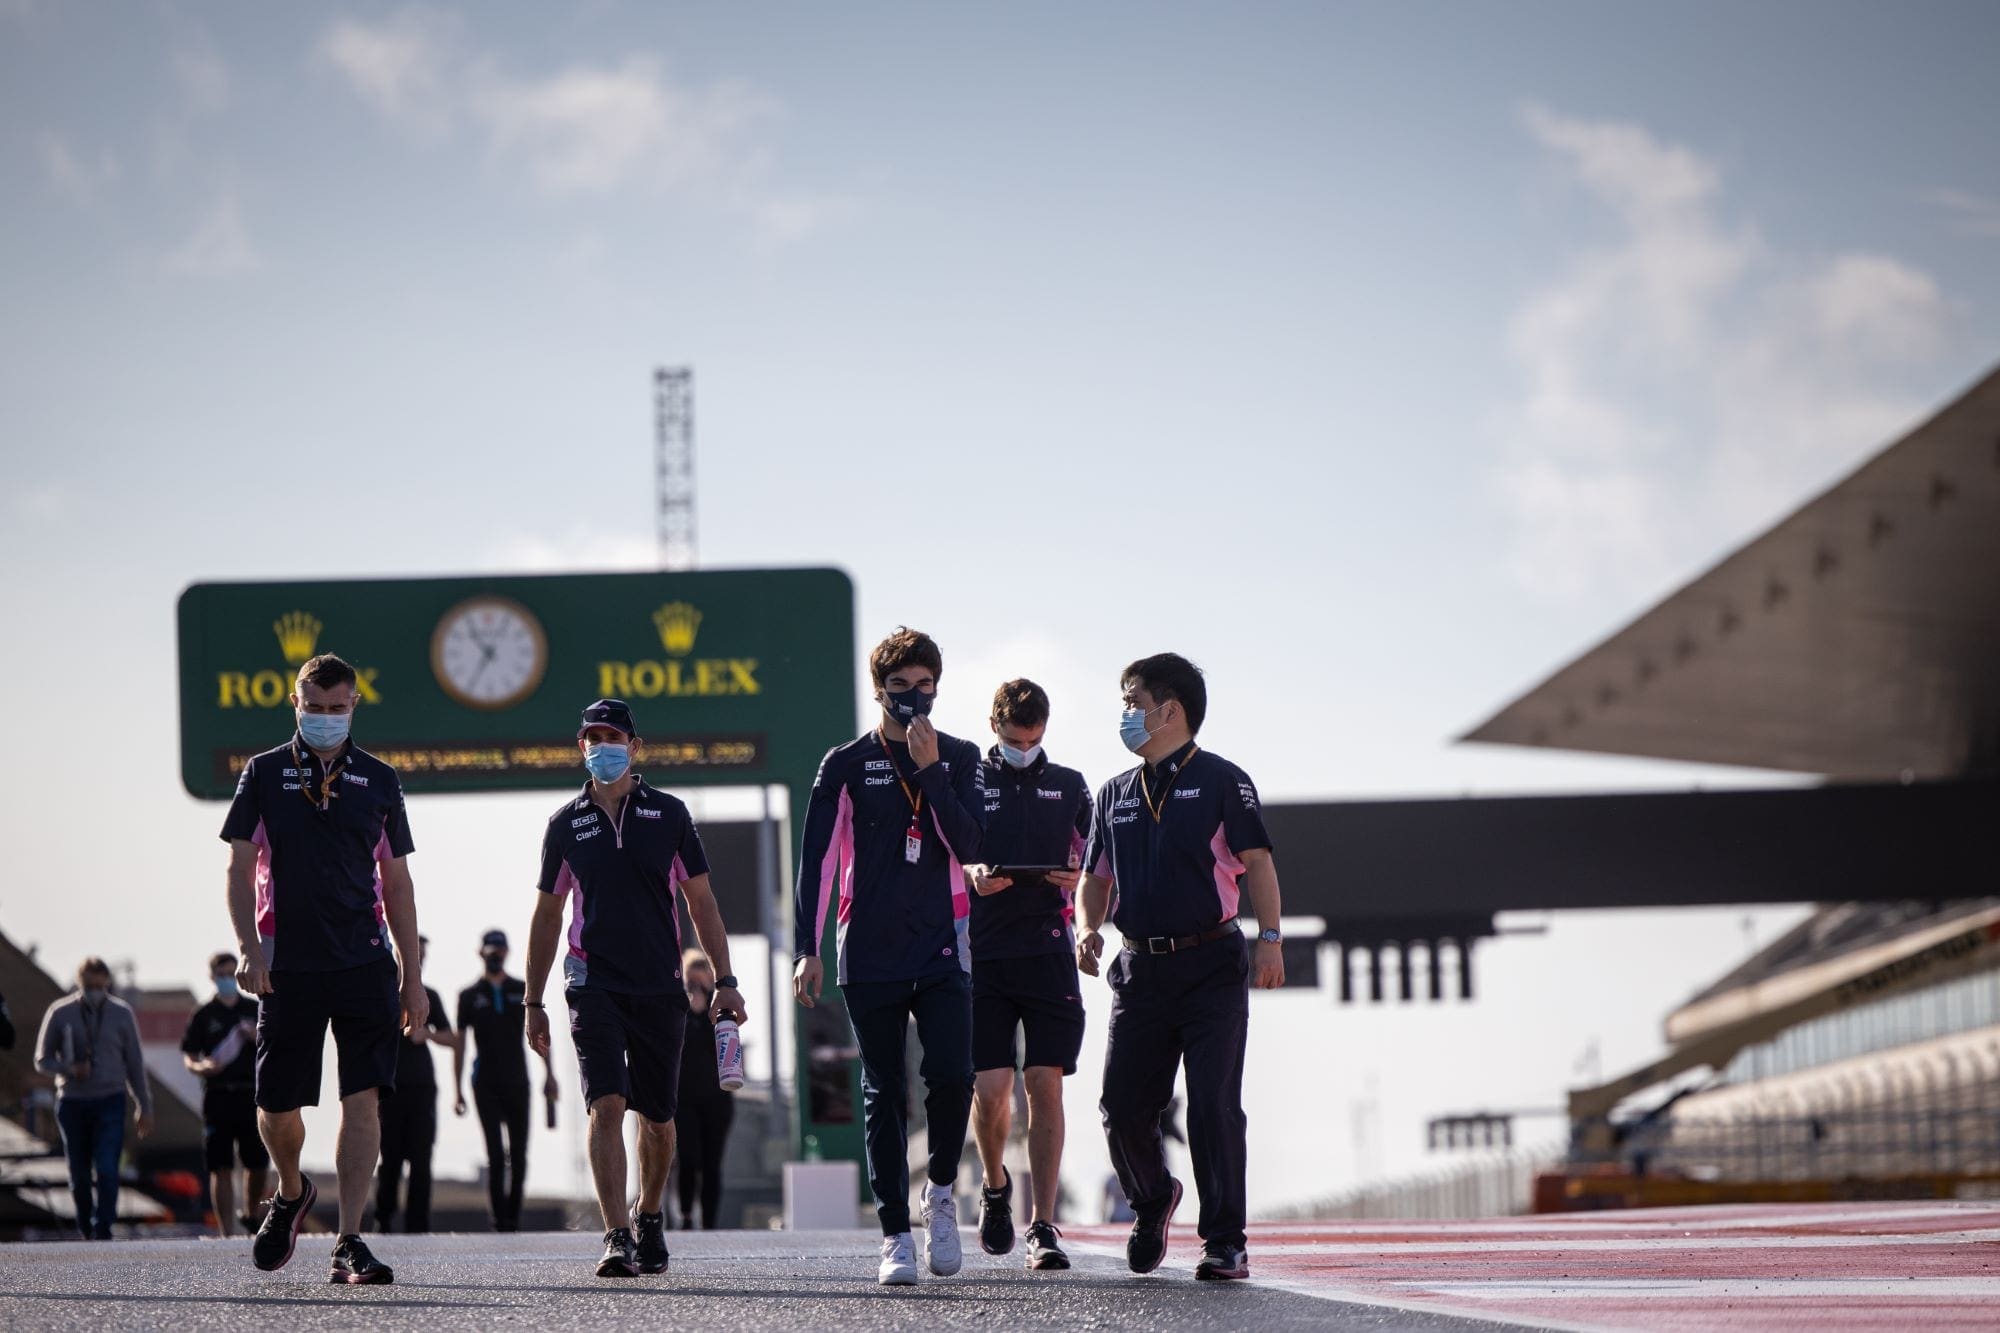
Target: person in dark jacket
[220, 1048]
[701, 1122]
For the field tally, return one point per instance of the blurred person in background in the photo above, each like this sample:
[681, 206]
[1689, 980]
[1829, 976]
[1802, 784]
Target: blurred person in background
[492, 1015]
[409, 1115]
[220, 1048]
[90, 1043]
[701, 1122]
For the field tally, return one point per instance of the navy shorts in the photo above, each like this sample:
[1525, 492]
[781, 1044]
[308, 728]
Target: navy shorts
[1039, 996]
[630, 1046]
[229, 1130]
[365, 1006]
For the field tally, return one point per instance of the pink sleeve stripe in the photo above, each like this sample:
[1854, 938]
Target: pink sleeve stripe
[1227, 868]
[568, 886]
[839, 853]
[267, 907]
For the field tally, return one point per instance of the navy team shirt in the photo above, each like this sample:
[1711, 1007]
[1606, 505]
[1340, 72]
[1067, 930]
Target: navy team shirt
[1035, 816]
[621, 873]
[899, 921]
[319, 878]
[1177, 875]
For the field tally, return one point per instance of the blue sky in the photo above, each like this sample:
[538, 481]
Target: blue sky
[1380, 358]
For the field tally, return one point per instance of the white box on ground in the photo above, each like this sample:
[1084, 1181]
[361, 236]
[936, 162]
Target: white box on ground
[821, 1196]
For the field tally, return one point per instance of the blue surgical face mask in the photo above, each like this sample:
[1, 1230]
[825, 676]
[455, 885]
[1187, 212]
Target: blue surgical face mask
[907, 705]
[1020, 758]
[607, 762]
[94, 996]
[324, 731]
[1132, 727]
[226, 989]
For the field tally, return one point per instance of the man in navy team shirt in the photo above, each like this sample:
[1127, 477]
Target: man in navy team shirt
[893, 819]
[1024, 964]
[1173, 844]
[318, 882]
[619, 854]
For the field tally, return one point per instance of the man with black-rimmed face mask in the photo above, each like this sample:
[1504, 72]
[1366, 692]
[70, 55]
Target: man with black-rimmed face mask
[894, 817]
[492, 1013]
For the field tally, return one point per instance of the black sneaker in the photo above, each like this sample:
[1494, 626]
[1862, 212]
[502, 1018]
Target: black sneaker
[996, 1217]
[652, 1243]
[278, 1233]
[1045, 1252]
[621, 1255]
[355, 1266]
[1220, 1262]
[248, 1223]
[1147, 1245]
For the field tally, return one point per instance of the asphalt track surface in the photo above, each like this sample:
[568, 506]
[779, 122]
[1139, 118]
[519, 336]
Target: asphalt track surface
[1850, 1266]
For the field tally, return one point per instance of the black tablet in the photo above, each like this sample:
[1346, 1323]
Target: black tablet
[1024, 876]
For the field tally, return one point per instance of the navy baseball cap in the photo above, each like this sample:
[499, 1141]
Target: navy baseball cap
[494, 939]
[608, 713]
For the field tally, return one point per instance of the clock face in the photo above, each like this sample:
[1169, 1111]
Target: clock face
[489, 652]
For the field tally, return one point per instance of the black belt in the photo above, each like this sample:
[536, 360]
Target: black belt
[1175, 943]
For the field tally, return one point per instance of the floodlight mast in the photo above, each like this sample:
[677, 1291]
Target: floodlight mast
[673, 440]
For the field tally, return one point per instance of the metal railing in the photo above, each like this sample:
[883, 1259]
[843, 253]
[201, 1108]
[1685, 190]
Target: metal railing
[1492, 1185]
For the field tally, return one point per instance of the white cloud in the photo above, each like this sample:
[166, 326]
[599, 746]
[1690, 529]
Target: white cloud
[1689, 381]
[584, 129]
[579, 550]
[1971, 214]
[219, 245]
[76, 175]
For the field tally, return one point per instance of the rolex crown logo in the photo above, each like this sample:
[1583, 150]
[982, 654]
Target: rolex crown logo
[677, 623]
[298, 635]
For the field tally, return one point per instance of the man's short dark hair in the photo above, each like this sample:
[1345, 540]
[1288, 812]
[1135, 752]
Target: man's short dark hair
[224, 961]
[92, 966]
[1170, 676]
[326, 671]
[1020, 703]
[906, 647]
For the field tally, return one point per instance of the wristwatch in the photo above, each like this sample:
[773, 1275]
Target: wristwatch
[1270, 936]
[726, 983]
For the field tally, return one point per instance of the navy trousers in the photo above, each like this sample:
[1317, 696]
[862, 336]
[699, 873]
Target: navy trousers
[881, 1012]
[93, 1135]
[1191, 1006]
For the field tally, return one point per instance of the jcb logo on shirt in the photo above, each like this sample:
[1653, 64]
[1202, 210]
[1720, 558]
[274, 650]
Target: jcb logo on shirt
[582, 820]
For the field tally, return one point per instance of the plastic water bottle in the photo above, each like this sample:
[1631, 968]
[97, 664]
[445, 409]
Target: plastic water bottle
[728, 1055]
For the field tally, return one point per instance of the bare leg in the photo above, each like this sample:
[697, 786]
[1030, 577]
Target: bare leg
[1045, 1137]
[607, 1160]
[656, 1154]
[355, 1155]
[255, 1181]
[284, 1133]
[992, 1119]
[222, 1192]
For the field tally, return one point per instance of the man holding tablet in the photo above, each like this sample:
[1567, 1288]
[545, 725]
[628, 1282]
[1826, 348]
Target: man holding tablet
[1023, 964]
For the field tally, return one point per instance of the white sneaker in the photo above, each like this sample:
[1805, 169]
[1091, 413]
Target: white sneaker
[899, 1261]
[941, 1245]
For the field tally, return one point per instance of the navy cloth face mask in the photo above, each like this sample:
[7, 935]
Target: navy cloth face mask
[907, 705]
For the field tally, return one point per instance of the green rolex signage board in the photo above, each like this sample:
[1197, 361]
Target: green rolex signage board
[475, 684]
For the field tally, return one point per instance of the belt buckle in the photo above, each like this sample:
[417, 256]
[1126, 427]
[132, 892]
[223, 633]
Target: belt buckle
[1154, 942]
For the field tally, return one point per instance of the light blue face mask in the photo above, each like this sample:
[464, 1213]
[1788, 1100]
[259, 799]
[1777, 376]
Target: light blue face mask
[1019, 758]
[225, 989]
[325, 731]
[607, 762]
[1132, 727]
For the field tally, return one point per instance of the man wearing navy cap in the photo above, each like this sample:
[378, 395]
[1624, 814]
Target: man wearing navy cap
[1173, 845]
[619, 852]
[318, 883]
[492, 1012]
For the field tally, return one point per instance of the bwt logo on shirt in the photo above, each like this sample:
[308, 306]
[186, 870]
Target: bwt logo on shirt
[1048, 795]
[354, 778]
[645, 813]
[1187, 795]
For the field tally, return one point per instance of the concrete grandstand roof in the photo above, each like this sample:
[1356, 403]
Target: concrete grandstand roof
[1859, 637]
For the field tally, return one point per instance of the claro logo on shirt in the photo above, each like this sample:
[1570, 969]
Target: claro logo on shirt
[877, 782]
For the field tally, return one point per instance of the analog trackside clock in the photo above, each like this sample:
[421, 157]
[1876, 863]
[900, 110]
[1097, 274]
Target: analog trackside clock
[489, 652]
